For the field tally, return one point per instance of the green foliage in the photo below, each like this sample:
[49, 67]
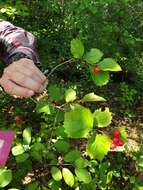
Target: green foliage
[68, 177]
[5, 177]
[83, 175]
[77, 48]
[57, 138]
[56, 173]
[70, 95]
[78, 123]
[98, 146]
[102, 118]
[93, 56]
[91, 97]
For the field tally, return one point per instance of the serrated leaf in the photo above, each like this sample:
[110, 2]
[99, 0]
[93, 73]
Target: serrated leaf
[83, 175]
[93, 56]
[101, 78]
[54, 93]
[72, 156]
[62, 146]
[5, 177]
[109, 64]
[91, 97]
[98, 147]
[81, 163]
[56, 173]
[68, 177]
[78, 123]
[70, 95]
[27, 136]
[17, 150]
[77, 48]
[102, 118]
[22, 157]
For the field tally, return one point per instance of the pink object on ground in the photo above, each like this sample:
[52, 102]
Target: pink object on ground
[6, 138]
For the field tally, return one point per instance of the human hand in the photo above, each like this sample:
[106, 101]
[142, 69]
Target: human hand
[22, 78]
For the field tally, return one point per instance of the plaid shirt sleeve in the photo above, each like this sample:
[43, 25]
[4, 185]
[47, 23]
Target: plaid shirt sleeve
[15, 41]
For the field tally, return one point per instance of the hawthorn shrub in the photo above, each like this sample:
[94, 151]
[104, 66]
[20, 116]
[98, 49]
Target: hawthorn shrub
[68, 148]
[65, 142]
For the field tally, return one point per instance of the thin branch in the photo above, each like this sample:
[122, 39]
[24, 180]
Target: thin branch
[61, 64]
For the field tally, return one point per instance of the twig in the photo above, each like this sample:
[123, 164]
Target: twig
[68, 61]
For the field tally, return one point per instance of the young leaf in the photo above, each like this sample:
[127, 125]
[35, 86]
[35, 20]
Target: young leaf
[83, 175]
[68, 177]
[78, 123]
[98, 146]
[5, 177]
[102, 118]
[101, 78]
[77, 48]
[70, 95]
[93, 56]
[72, 156]
[109, 64]
[43, 107]
[27, 136]
[56, 173]
[17, 150]
[91, 97]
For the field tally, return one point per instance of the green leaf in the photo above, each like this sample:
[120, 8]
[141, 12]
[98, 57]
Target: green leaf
[98, 146]
[91, 97]
[140, 162]
[68, 177]
[102, 118]
[62, 146]
[81, 163]
[27, 136]
[17, 150]
[5, 177]
[72, 156]
[37, 151]
[109, 64]
[109, 177]
[77, 48]
[22, 157]
[93, 56]
[54, 185]
[54, 93]
[43, 107]
[70, 95]
[60, 132]
[123, 133]
[78, 123]
[32, 186]
[101, 78]
[83, 175]
[56, 173]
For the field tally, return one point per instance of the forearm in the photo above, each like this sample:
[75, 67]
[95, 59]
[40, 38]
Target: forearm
[17, 42]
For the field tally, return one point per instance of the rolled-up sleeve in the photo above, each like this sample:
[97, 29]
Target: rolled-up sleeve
[15, 40]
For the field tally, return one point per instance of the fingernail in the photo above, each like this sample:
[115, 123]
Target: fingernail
[30, 93]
